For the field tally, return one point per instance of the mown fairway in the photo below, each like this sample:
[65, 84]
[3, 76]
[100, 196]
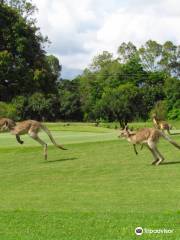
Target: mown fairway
[98, 189]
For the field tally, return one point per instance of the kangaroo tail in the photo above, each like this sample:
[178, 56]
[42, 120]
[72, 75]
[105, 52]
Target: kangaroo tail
[51, 137]
[170, 140]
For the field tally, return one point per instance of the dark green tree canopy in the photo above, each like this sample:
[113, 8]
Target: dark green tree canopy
[24, 7]
[126, 51]
[123, 88]
[24, 67]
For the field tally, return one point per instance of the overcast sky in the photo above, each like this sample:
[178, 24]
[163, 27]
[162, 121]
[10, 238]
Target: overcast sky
[79, 29]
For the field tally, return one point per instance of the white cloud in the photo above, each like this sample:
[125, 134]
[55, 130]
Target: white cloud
[138, 28]
[80, 29]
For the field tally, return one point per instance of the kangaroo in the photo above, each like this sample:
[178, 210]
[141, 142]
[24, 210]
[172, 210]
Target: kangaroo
[149, 137]
[6, 124]
[134, 145]
[32, 127]
[162, 125]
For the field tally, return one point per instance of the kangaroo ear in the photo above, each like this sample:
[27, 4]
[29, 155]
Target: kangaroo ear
[126, 127]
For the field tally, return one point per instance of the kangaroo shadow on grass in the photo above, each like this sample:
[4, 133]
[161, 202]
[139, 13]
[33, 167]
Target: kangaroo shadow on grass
[177, 133]
[169, 163]
[60, 160]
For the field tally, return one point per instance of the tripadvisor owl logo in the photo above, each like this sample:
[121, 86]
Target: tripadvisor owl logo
[139, 231]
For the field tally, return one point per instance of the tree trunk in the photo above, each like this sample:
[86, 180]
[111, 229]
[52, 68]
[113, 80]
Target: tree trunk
[121, 123]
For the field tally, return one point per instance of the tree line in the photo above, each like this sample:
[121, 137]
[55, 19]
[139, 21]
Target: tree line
[120, 88]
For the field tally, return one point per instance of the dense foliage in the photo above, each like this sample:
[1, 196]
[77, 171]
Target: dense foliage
[128, 87]
[125, 89]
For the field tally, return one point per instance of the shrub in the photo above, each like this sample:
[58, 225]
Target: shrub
[20, 103]
[160, 109]
[174, 114]
[8, 110]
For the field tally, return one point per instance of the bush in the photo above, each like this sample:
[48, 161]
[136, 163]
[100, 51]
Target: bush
[20, 103]
[160, 109]
[174, 114]
[8, 110]
[38, 106]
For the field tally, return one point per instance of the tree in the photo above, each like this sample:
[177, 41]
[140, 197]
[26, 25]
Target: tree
[150, 55]
[23, 65]
[133, 72]
[24, 7]
[119, 103]
[89, 91]
[21, 104]
[101, 60]
[170, 60]
[8, 110]
[157, 57]
[172, 92]
[40, 107]
[54, 65]
[126, 51]
[160, 109]
[69, 99]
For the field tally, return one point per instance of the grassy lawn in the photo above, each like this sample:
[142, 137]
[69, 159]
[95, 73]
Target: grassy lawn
[98, 189]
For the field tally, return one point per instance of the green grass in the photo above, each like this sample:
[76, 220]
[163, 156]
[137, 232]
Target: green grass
[98, 189]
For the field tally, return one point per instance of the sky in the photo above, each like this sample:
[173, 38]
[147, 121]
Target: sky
[81, 29]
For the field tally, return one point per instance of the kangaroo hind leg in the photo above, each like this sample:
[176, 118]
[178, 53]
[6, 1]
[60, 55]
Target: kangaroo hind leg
[151, 147]
[36, 138]
[161, 158]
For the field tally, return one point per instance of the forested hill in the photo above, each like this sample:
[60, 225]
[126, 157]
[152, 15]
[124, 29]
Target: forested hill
[123, 88]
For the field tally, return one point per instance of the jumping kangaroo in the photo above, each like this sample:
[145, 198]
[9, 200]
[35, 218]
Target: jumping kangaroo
[150, 137]
[6, 124]
[162, 125]
[32, 127]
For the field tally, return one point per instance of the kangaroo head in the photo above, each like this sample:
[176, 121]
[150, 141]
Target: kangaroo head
[124, 132]
[8, 125]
